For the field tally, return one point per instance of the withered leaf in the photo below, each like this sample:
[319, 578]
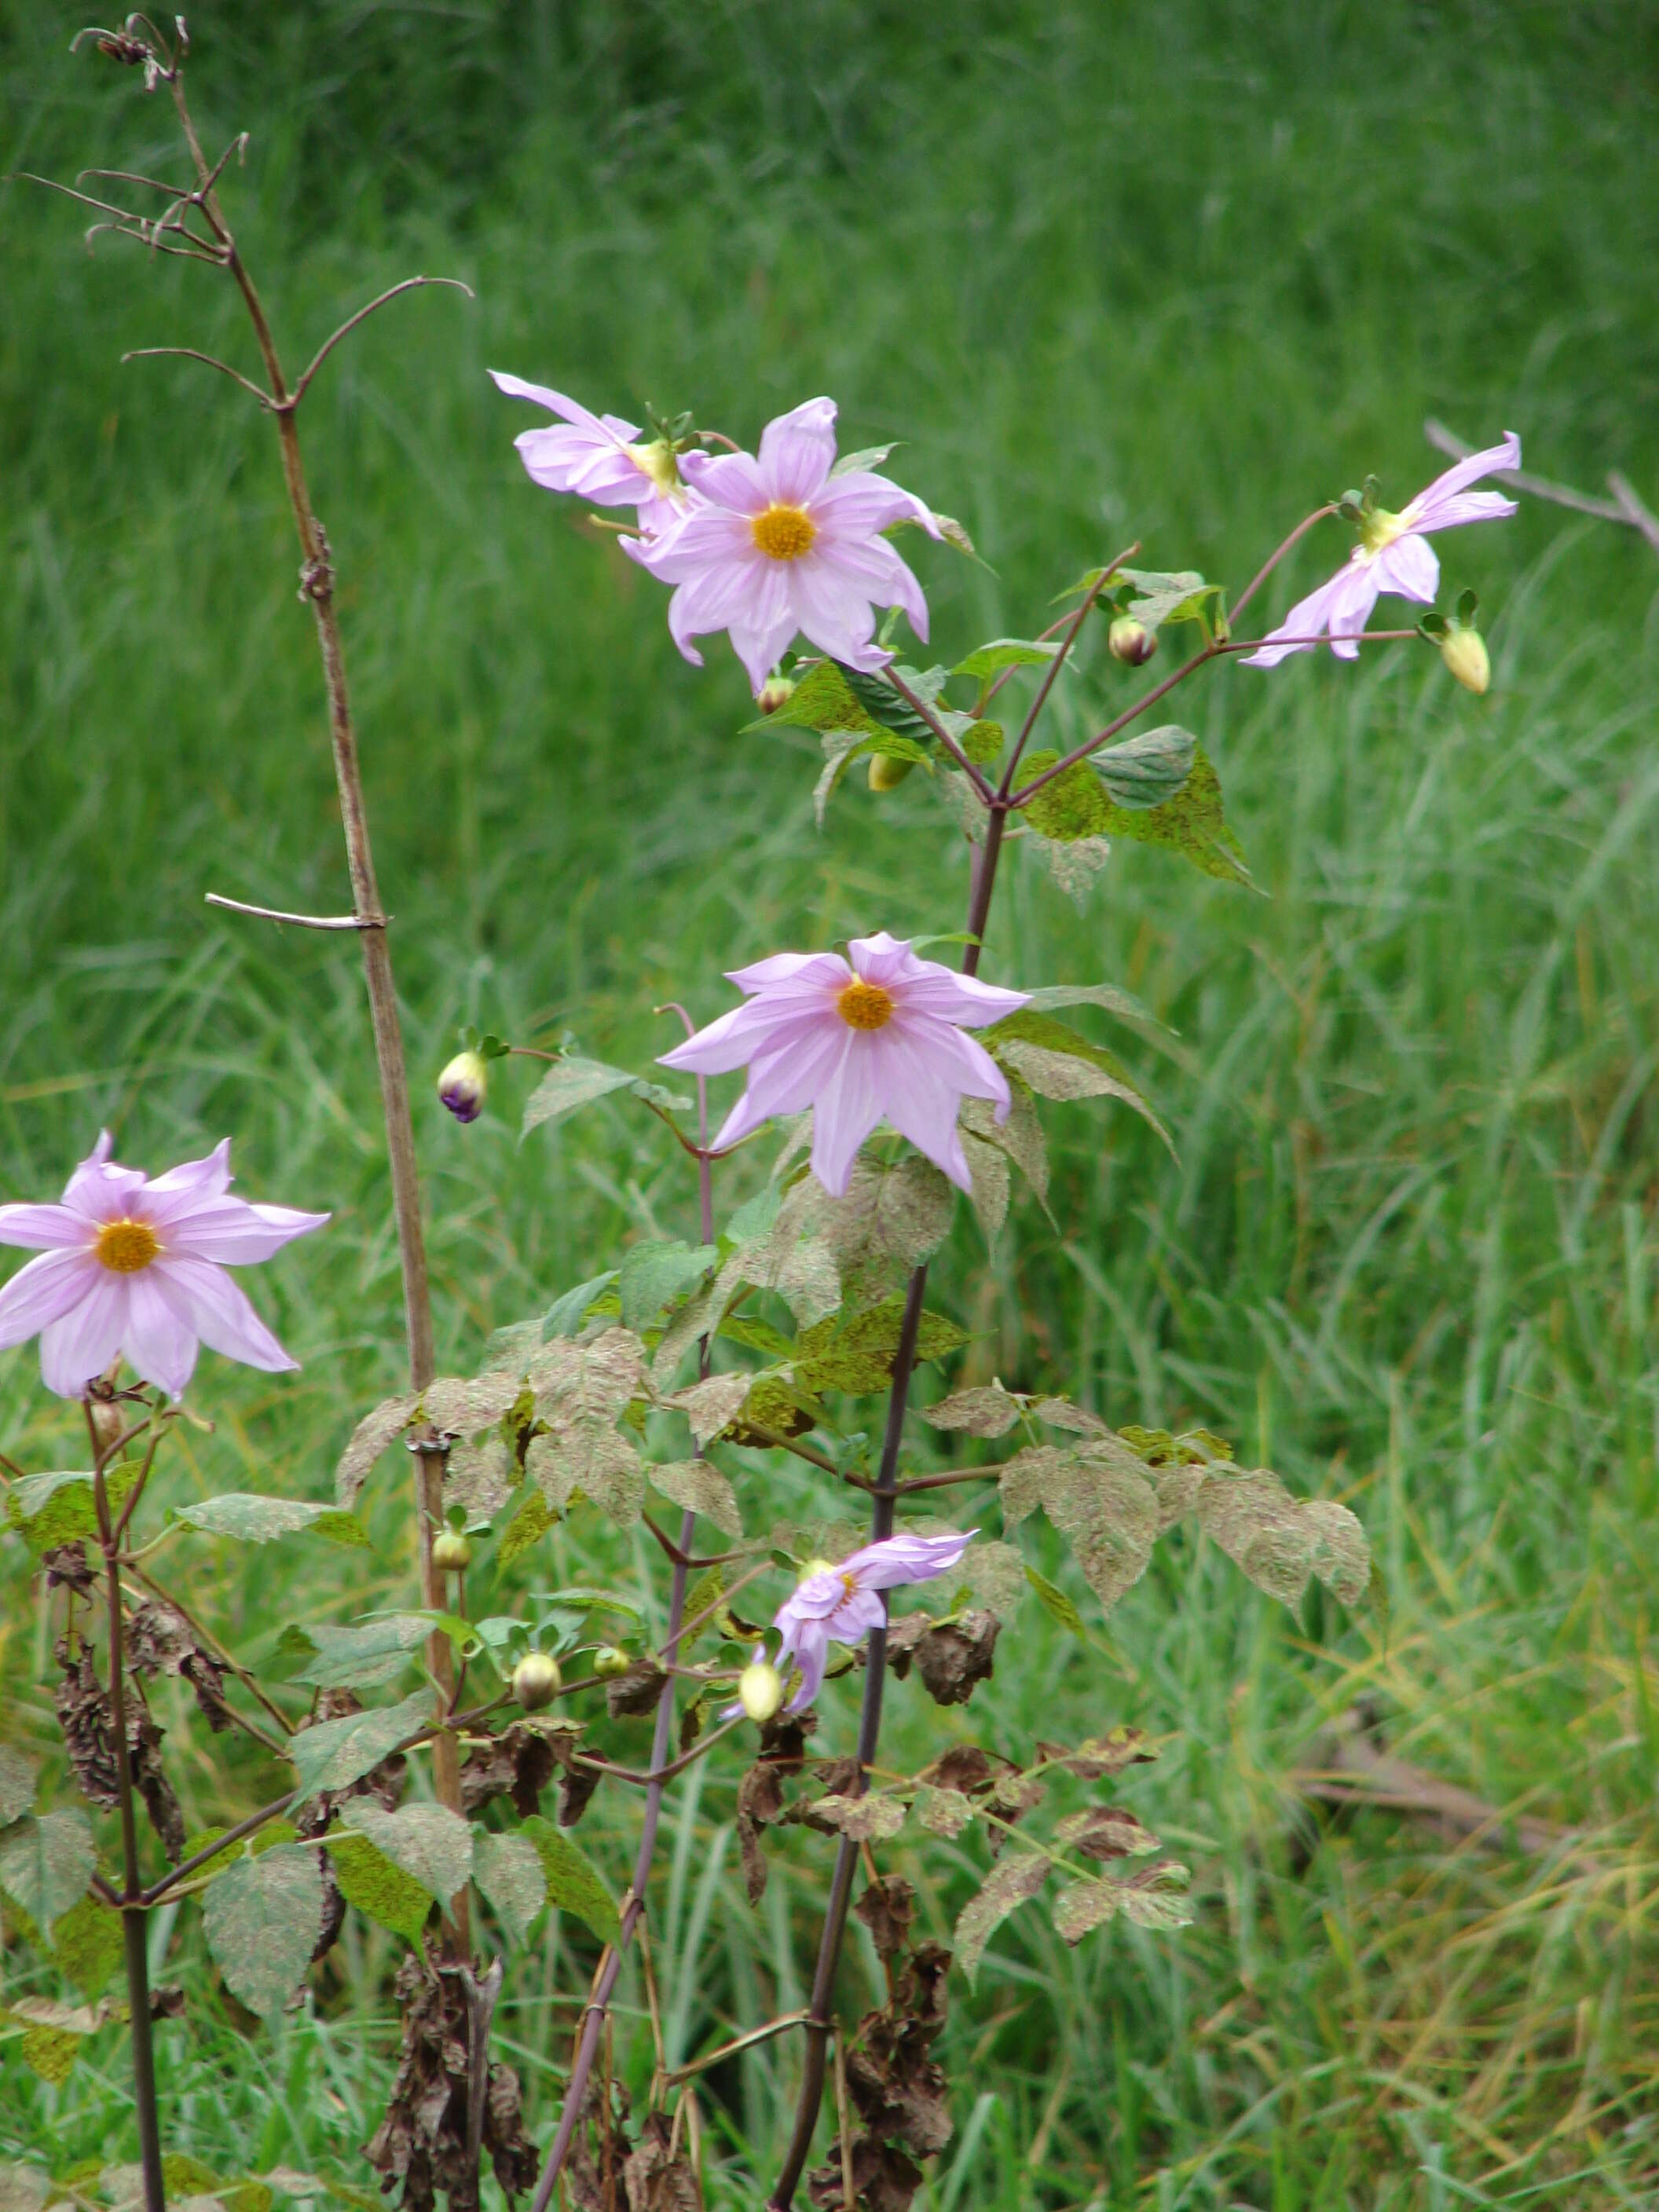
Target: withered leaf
[654, 2179]
[1105, 1833]
[1006, 1886]
[955, 1655]
[884, 2180]
[760, 1802]
[1099, 1756]
[887, 1907]
[964, 1768]
[519, 1763]
[638, 1691]
[867, 1820]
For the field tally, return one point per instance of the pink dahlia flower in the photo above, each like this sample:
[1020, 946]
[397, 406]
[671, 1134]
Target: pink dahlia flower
[598, 456]
[1393, 555]
[840, 1604]
[136, 1267]
[777, 545]
[876, 1036]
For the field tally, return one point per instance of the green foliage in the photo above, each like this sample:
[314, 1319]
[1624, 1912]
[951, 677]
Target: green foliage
[365, 1658]
[262, 1918]
[574, 1884]
[429, 1844]
[1159, 596]
[16, 1785]
[380, 1891]
[529, 1525]
[88, 1943]
[507, 1867]
[654, 1274]
[987, 660]
[572, 1082]
[46, 1862]
[253, 1520]
[855, 1352]
[49, 1509]
[333, 1754]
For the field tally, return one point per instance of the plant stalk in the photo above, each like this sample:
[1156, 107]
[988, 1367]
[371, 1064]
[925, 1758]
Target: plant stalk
[317, 586]
[133, 1917]
[821, 2017]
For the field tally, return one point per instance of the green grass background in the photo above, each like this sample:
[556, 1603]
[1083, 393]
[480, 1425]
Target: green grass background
[1174, 274]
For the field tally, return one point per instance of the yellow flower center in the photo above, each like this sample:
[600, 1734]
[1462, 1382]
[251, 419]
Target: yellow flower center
[1380, 529]
[127, 1247]
[783, 533]
[864, 1006]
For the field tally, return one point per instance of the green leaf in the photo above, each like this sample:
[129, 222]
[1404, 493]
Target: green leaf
[381, 1892]
[1280, 1541]
[45, 1864]
[652, 1275]
[566, 1315]
[1145, 770]
[507, 1868]
[856, 1354]
[868, 457]
[574, 1884]
[842, 748]
[1054, 995]
[527, 1527]
[987, 660]
[894, 1216]
[575, 1081]
[823, 701]
[996, 1576]
[50, 1509]
[87, 1946]
[1009, 1884]
[1057, 1605]
[51, 2052]
[1167, 595]
[883, 708]
[429, 1843]
[16, 1785]
[254, 1520]
[362, 1658]
[1071, 807]
[1192, 824]
[333, 1754]
[371, 1436]
[262, 1918]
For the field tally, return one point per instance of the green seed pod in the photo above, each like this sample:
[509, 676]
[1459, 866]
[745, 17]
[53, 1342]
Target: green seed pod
[760, 1690]
[609, 1660]
[1464, 652]
[451, 1552]
[886, 774]
[535, 1681]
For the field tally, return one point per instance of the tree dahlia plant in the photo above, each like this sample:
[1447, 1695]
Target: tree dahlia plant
[410, 1753]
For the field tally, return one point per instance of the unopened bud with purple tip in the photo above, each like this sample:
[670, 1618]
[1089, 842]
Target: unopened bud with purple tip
[463, 1084]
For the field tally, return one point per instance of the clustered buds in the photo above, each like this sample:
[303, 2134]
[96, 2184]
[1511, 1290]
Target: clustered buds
[536, 1681]
[463, 1084]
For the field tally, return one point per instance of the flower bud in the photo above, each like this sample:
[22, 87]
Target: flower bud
[1464, 652]
[760, 1689]
[886, 774]
[535, 1681]
[813, 1568]
[463, 1084]
[775, 692]
[609, 1660]
[451, 1551]
[1131, 641]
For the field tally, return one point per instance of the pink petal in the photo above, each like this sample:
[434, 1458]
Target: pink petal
[905, 1559]
[234, 1233]
[44, 1290]
[860, 504]
[826, 968]
[1471, 507]
[205, 1178]
[158, 1341]
[98, 1186]
[1359, 586]
[734, 481]
[572, 411]
[1309, 618]
[810, 1649]
[1410, 567]
[834, 613]
[873, 568]
[42, 1228]
[787, 1078]
[958, 1061]
[77, 1348]
[596, 469]
[844, 1113]
[854, 1618]
[219, 1311]
[1489, 461]
[730, 1042]
[920, 1104]
[797, 450]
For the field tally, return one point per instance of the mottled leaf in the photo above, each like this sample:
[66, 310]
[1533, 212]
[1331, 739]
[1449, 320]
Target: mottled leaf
[254, 1520]
[1280, 1540]
[333, 1754]
[1051, 996]
[1192, 824]
[1009, 1884]
[652, 1275]
[479, 1475]
[871, 1819]
[527, 1527]
[588, 1454]
[1145, 769]
[507, 1868]
[362, 1658]
[381, 1892]
[987, 1174]
[893, 1217]
[1084, 1905]
[430, 1844]
[45, 1864]
[88, 1945]
[698, 1488]
[25, 2188]
[16, 1785]
[262, 1918]
[712, 1404]
[574, 1884]
[368, 1440]
[996, 1576]
[856, 1354]
[986, 1410]
[943, 1812]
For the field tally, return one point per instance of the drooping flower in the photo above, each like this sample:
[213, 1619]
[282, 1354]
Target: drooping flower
[876, 1037]
[1393, 555]
[138, 1268]
[775, 544]
[840, 1603]
[608, 461]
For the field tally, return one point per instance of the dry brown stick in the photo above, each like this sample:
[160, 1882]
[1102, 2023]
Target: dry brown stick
[1638, 516]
